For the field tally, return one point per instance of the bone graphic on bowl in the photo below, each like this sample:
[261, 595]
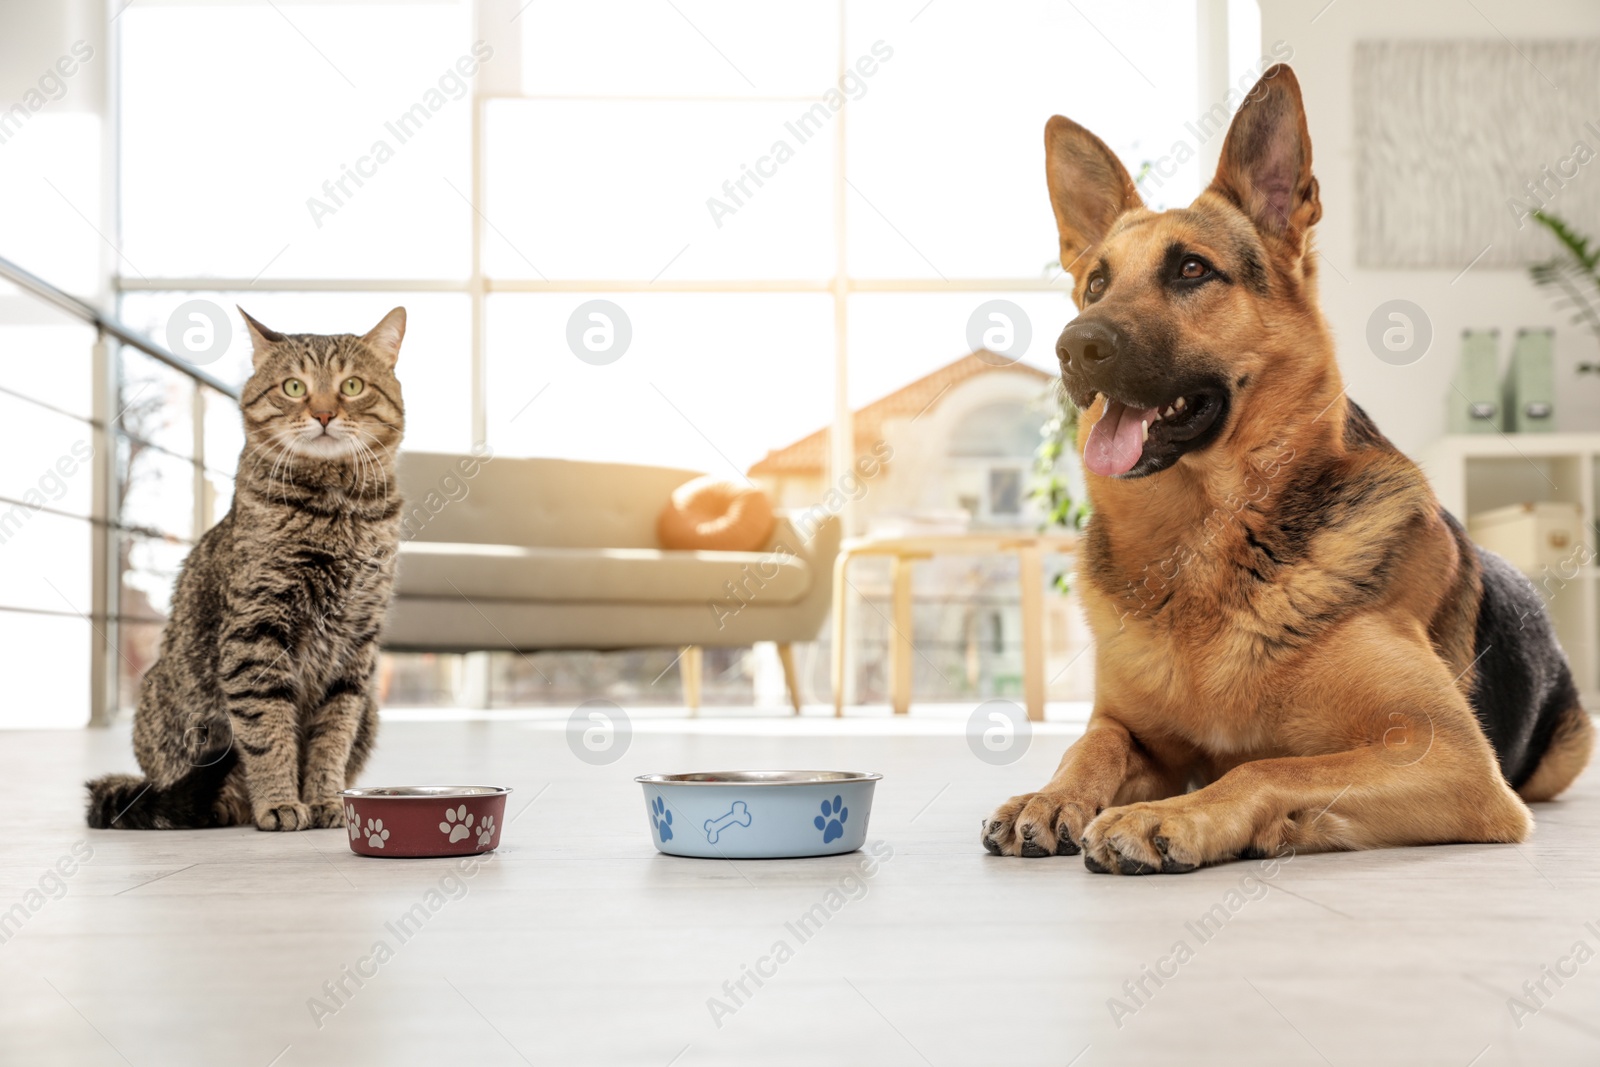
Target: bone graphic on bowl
[739, 816]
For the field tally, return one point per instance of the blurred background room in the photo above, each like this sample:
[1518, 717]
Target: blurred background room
[755, 242]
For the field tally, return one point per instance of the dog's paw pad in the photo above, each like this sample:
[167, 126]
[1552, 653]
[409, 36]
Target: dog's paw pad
[1168, 864]
[1031, 848]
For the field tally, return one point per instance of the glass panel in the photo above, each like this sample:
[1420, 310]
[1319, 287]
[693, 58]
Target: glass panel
[157, 403]
[642, 678]
[1245, 47]
[141, 643]
[324, 141]
[44, 562]
[708, 382]
[219, 497]
[45, 461]
[51, 363]
[157, 490]
[149, 570]
[224, 433]
[435, 366]
[947, 170]
[693, 211]
[51, 187]
[897, 338]
[417, 679]
[963, 429]
[46, 699]
[686, 48]
[967, 624]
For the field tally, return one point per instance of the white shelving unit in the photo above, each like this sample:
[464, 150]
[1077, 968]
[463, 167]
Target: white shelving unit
[1473, 473]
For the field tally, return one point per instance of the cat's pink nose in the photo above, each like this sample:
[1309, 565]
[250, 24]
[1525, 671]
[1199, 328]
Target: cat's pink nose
[323, 417]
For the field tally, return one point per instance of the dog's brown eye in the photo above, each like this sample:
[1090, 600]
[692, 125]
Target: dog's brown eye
[1097, 284]
[1193, 268]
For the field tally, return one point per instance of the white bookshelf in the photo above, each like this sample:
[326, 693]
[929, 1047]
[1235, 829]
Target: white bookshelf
[1473, 473]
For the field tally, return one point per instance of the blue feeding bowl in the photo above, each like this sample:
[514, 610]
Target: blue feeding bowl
[744, 815]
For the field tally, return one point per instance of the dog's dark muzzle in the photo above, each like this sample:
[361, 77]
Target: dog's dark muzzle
[1097, 356]
[1084, 343]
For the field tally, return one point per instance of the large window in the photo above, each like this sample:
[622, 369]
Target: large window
[784, 211]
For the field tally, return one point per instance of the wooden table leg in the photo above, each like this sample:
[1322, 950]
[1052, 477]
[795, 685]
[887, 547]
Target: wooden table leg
[791, 679]
[840, 586]
[1032, 578]
[691, 667]
[900, 639]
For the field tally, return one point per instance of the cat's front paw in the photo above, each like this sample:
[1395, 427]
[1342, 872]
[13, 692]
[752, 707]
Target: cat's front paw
[293, 816]
[327, 813]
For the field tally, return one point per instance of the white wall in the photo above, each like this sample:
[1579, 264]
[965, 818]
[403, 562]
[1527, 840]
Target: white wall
[1409, 402]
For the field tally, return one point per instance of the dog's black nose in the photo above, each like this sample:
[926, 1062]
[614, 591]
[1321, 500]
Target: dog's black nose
[1087, 342]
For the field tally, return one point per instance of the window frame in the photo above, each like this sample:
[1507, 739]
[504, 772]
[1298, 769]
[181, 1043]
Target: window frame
[504, 35]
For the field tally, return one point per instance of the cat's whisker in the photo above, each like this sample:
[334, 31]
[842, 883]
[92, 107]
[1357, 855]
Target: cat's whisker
[367, 452]
[286, 461]
[263, 451]
[358, 453]
[366, 455]
[267, 449]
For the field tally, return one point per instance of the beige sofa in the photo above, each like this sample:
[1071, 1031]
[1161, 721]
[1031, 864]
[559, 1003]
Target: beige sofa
[532, 554]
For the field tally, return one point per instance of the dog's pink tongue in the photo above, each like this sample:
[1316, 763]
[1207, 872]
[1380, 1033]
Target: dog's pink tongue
[1117, 440]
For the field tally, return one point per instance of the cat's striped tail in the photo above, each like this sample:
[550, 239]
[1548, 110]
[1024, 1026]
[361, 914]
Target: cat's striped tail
[128, 802]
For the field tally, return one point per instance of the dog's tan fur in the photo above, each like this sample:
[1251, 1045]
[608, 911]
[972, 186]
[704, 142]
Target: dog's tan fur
[1284, 622]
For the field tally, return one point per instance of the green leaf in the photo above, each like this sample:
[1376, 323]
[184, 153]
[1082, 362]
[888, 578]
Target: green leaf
[1048, 487]
[1576, 273]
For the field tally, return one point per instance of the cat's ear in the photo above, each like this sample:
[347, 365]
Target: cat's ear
[385, 337]
[261, 338]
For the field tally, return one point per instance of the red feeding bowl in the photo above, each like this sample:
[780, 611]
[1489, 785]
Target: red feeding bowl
[425, 820]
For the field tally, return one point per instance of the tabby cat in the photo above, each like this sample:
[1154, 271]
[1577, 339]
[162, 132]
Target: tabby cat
[260, 707]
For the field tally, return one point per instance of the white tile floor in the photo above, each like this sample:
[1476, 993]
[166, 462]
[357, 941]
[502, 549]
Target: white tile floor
[578, 944]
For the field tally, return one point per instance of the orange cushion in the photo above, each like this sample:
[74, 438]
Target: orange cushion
[713, 515]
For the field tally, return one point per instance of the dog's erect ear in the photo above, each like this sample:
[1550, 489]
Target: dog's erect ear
[1266, 161]
[1089, 187]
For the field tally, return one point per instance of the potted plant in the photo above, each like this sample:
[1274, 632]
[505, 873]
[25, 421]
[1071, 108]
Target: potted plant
[1576, 274]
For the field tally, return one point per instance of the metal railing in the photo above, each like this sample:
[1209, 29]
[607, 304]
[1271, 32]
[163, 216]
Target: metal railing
[105, 515]
[83, 310]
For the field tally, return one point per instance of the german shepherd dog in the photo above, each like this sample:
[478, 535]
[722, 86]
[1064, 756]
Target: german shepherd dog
[1296, 646]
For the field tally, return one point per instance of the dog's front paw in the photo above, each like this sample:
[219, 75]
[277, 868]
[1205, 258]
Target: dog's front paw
[292, 816]
[1147, 838]
[1033, 825]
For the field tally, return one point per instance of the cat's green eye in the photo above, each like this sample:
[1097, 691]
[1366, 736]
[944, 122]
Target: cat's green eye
[295, 387]
[352, 386]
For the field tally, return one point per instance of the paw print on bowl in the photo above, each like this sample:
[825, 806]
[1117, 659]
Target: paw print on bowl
[376, 834]
[457, 823]
[352, 820]
[831, 821]
[485, 831]
[662, 818]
